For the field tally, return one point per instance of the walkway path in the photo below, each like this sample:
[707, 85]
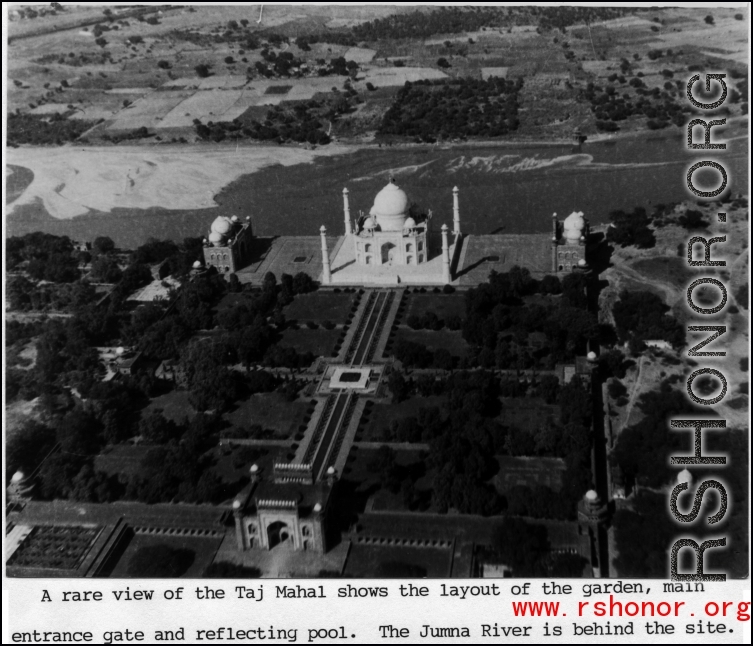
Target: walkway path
[330, 433]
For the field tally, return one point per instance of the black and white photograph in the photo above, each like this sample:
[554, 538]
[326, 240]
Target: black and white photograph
[327, 291]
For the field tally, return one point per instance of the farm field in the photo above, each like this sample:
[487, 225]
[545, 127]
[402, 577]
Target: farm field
[149, 111]
[57, 65]
[202, 105]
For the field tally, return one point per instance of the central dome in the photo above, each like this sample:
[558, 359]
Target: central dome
[390, 207]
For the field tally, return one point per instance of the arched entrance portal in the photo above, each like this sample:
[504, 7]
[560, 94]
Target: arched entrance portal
[278, 533]
[388, 253]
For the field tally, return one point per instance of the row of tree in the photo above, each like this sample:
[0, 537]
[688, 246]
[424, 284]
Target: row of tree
[454, 20]
[44, 130]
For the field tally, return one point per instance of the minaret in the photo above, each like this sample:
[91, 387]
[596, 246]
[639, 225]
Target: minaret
[326, 274]
[446, 278]
[554, 242]
[238, 519]
[455, 211]
[346, 213]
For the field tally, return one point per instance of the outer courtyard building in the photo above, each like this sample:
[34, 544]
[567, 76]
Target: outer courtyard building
[569, 241]
[228, 244]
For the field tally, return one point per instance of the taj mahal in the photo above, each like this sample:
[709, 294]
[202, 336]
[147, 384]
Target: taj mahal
[394, 243]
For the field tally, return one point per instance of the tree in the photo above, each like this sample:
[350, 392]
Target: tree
[202, 70]
[105, 269]
[102, 245]
[100, 41]
[398, 386]
[26, 448]
[303, 283]
[234, 283]
[443, 63]
[641, 537]
[210, 383]
[79, 433]
[57, 473]
[443, 360]
[550, 284]
[414, 321]
[643, 316]
[709, 20]
[156, 429]
[631, 229]
[693, 219]
[164, 65]
[269, 283]
[549, 388]
[260, 381]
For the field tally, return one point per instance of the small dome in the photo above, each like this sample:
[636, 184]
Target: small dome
[317, 508]
[574, 226]
[119, 350]
[221, 225]
[591, 496]
[410, 223]
[390, 207]
[591, 356]
[234, 218]
[216, 238]
[331, 471]
[582, 262]
[17, 477]
[197, 264]
[254, 468]
[236, 504]
[368, 223]
[685, 477]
